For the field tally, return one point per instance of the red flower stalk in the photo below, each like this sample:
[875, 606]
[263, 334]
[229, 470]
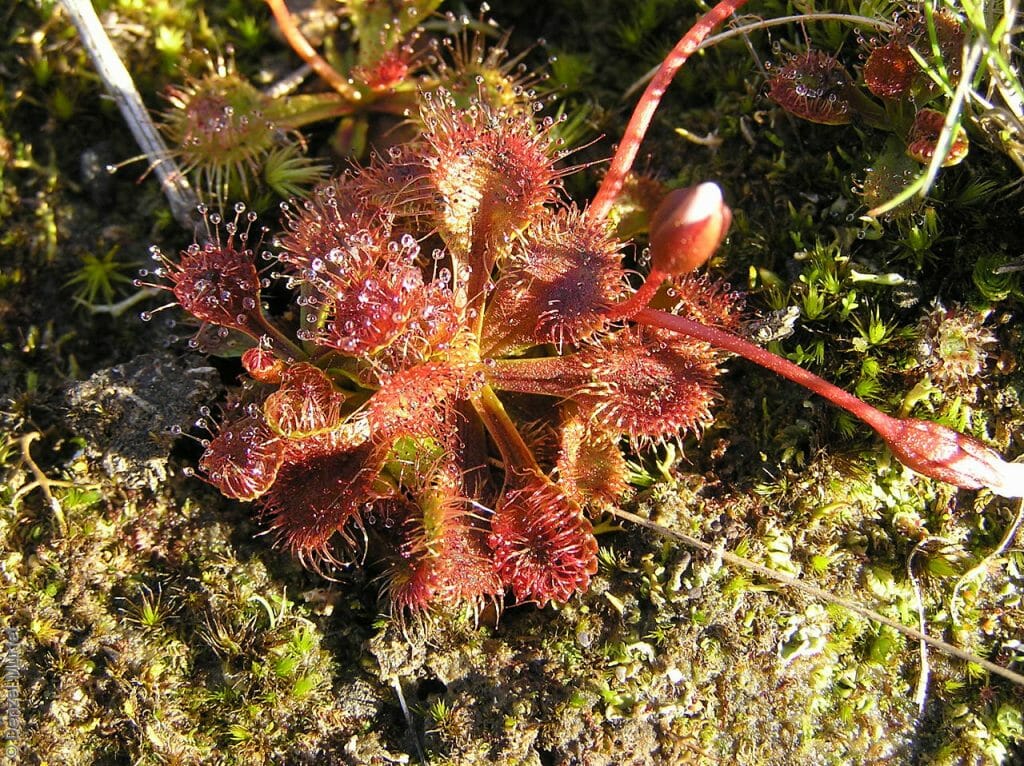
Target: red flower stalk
[959, 459]
[928, 448]
[301, 46]
[640, 120]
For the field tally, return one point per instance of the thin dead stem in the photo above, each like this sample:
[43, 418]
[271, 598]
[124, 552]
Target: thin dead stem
[822, 595]
[43, 482]
[924, 672]
[121, 87]
[982, 566]
[408, 720]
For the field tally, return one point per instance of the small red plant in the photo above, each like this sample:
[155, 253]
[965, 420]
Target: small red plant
[466, 354]
[892, 72]
[815, 86]
[923, 139]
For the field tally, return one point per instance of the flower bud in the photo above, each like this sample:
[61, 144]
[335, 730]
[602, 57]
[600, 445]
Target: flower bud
[262, 365]
[944, 454]
[687, 228]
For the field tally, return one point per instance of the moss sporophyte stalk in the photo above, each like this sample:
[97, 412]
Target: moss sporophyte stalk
[465, 354]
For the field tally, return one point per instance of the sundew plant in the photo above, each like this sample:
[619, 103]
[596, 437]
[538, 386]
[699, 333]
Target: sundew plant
[467, 357]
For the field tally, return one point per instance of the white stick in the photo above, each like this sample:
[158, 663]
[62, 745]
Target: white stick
[121, 87]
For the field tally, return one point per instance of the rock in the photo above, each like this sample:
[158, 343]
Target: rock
[128, 413]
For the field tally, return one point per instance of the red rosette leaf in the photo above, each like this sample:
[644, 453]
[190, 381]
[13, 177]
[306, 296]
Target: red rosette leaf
[305, 404]
[543, 546]
[243, 459]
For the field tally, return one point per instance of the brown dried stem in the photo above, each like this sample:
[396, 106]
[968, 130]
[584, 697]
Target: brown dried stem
[823, 595]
